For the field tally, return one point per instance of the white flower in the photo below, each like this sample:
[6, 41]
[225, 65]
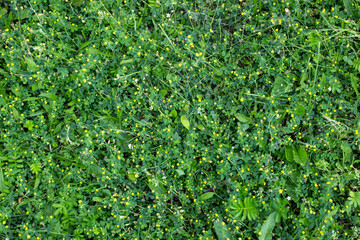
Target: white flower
[329, 89]
[130, 146]
[168, 15]
[289, 198]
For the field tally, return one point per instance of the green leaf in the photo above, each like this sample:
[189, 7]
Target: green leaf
[35, 167]
[206, 196]
[246, 209]
[180, 172]
[132, 176]
[199, 96]
[242, 118]
[251, 209]
[77, 2]
[300, 110]
[31, 64]
[354, 198]
[173, 113]
[221, 230]
[97, 199]
[267, 227]
[37, 182]
[347, 151]
[314, 39]
[305, 221]
[201, 127]
[289, 154]
[279, 205]
[2, 182]
[29, 124]
[278, 86]
[51, 96]
[300, 155]
[351, 9]
[2, 11]
[219, 72]
[163, 92]
[185, 121]
[354, 83]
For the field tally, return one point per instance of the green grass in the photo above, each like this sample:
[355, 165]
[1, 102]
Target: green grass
[179, 119]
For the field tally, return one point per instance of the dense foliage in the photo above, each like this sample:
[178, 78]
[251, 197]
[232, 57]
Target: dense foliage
[173, 119]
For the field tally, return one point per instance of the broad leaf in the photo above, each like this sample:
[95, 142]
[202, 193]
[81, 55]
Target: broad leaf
[300, 110]
[31, 64]
[279, 86]
[2, 11]
[289, 154]
[300, 155]
[132, 176]
[173, 113]
[347, 151]
[185, 121]
[163, 92]
[49, 95]
[201, 127]
[267, 227]
[206, 196]
[180, 172]
[97, 199]
[221, 230]
[37, 182]
[242, 118]
[354, 83]
[354, 198]
[77, 2]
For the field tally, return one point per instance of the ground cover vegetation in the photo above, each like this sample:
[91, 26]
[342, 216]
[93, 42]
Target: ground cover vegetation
[173, 119]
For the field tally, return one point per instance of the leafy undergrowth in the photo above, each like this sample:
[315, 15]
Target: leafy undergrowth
[175, 119]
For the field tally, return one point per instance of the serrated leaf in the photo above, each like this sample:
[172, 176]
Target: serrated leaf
[267, 227]
[206, 196]
[221, 230]
[300, 155]
[289, 154]
[185, 121]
